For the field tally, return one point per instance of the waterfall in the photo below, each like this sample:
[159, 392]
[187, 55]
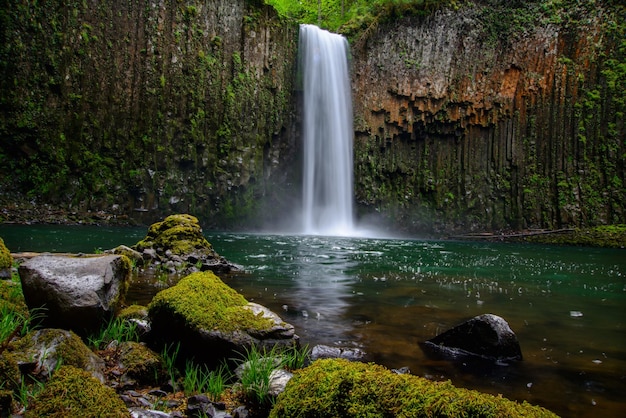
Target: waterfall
[327, 133]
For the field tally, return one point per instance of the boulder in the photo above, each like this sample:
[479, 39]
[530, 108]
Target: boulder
[178, 245]
[485, 336]
[39, 353]
[213, 322]
[77, 293]
[136, 364]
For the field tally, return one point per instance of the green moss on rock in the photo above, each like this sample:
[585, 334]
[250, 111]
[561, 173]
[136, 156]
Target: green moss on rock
[140, 363]
[339, 388]
[181, 234]
[205, 302]
[73, 392]
[133, 312]
[11, 297]
[50, 346]
[10, 375]
[6, 260]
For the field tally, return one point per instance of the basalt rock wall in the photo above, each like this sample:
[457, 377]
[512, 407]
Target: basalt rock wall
[494, 115]
[146, 107]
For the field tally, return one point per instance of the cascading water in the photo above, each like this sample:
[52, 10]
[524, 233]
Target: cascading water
[327, 133]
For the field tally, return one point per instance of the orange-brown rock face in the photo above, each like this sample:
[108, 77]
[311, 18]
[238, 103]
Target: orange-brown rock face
[459, 128]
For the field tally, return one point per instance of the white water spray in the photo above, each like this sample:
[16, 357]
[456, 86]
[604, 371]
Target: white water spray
[327, 133]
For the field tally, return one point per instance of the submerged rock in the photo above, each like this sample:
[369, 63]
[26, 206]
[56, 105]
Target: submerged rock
[77, 293]
[212, 321]
[487, 336]
[178, 245]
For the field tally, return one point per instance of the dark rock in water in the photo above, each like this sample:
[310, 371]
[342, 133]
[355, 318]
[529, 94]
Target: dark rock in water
[486, 336]
[76, 293]
[325, 351]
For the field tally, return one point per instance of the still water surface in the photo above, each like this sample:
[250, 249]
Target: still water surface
[566, 305]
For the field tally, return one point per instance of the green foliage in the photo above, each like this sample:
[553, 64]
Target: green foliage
[74, 392]
[340, 388]
[199, 379]
[257, 366]
[169, 355]
[351, 17]
[117, 329]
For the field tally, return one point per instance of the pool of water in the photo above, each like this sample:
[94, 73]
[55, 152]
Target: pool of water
[385, 296]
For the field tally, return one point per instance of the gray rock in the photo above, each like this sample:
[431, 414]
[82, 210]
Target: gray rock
[486, 336]
[77, 293]
[325, 351]
[278, 381]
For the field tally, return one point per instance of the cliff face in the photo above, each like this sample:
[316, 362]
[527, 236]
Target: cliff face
[493, 118]
[147, 107]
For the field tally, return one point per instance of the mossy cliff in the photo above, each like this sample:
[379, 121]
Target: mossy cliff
[490, 114]
[144, 107]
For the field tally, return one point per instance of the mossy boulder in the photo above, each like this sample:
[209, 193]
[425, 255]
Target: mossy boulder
[212, 321]
[177, 245]
[40, 352]
[6, 261]
[73, 392]
[139, 365]
[340, 388]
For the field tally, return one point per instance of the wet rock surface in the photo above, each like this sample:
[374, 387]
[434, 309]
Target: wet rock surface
[78, 293]
[485, 336]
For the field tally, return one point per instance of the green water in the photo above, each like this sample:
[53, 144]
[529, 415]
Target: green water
[566, 305]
